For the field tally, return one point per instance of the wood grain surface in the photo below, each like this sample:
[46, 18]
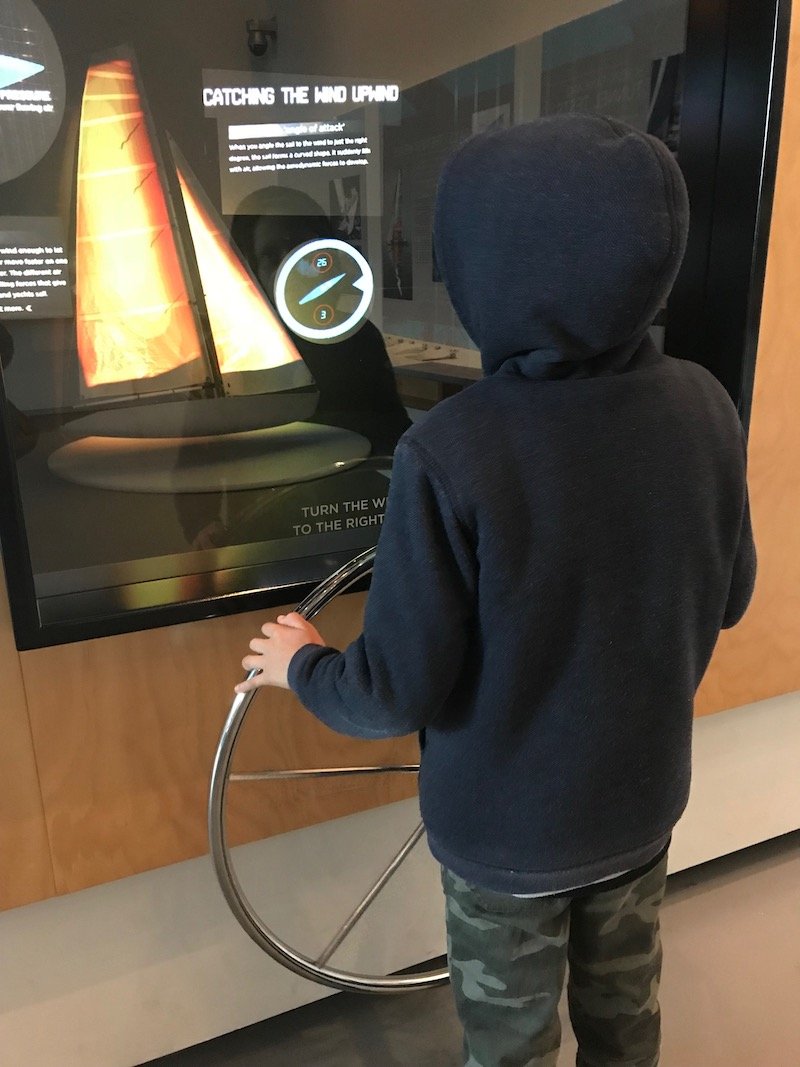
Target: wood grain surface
[125, 730]
[26, 873]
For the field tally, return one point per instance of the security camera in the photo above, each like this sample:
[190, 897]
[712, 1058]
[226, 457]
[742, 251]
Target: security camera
[260, 34]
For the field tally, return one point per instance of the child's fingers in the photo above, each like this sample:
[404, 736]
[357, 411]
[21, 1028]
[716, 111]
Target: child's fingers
[294, 620]
[245, 687]
[250, 663]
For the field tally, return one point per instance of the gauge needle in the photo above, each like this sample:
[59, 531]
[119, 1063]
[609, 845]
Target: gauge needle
[322, 289]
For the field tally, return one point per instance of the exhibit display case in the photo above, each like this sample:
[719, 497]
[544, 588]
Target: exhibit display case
[220, 306]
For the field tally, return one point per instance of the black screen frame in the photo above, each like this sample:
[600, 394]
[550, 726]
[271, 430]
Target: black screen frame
[733, 101]
[735, 74]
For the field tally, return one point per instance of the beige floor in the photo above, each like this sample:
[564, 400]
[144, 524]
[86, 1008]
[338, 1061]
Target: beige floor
[730, 992]
[731, 983]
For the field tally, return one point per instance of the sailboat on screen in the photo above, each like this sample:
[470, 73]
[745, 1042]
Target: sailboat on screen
[165, 303]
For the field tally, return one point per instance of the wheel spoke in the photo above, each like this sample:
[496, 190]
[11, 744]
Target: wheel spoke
[324, 772]
[359, 910]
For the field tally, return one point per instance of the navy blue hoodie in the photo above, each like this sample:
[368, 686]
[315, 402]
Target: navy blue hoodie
[565, 539]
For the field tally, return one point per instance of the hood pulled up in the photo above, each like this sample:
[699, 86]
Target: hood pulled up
[558, 241]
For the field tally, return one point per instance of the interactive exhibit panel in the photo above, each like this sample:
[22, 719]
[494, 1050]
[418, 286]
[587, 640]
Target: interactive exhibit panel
[219, 302]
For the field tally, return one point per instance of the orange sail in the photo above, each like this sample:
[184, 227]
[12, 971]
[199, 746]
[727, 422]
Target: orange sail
[134, 317]
[246, 331]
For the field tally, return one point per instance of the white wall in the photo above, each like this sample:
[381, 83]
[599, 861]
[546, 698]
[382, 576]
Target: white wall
[746, 784]
[120, 974]
[391, 42]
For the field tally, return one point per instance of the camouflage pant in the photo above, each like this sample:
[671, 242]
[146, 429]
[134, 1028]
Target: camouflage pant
[508, 957]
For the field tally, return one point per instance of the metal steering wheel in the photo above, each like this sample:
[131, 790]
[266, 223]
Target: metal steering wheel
[317, 970]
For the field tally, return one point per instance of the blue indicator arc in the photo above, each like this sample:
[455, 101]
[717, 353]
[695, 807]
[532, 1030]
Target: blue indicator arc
[13, 71]
[321, 289]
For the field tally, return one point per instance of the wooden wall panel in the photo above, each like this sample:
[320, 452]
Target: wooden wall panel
[761, 657]
[125, 730]
[26, 874]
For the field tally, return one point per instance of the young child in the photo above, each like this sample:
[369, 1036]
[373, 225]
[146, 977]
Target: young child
[563, 543]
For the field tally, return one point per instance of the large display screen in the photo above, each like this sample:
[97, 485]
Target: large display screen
[219, 302]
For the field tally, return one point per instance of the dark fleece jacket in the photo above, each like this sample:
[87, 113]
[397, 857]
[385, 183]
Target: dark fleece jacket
[565, 539]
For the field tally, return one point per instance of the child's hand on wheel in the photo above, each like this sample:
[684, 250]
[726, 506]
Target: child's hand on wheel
[272, 653]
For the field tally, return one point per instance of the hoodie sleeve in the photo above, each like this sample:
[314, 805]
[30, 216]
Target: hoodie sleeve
[743, 579]
[395, 677]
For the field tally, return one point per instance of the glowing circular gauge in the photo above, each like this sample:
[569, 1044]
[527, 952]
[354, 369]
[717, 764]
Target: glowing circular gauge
[324, 290]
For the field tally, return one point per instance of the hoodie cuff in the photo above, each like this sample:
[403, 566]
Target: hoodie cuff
[315, 688]
[301, 668]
